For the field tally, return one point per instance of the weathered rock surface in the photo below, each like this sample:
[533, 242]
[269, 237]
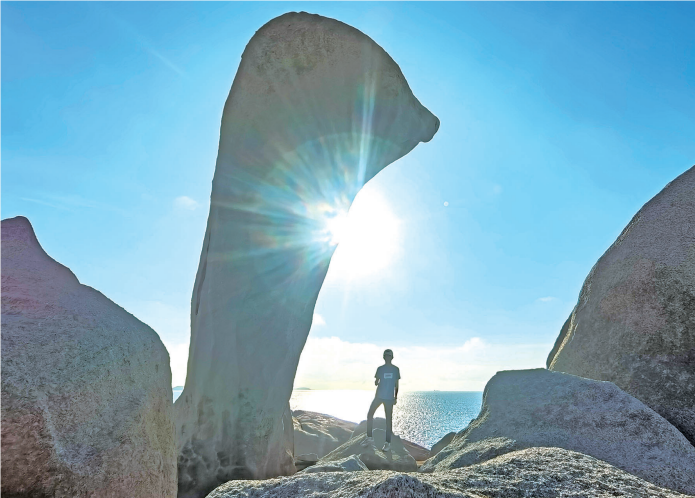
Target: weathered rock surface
[349, 464]
[419, 453]
[397, 459]
[305, 460]
[86, 387]
[319, 433]
[527, 408]
[634, 323]
[315, 111]
[442, 443]
[537, 472]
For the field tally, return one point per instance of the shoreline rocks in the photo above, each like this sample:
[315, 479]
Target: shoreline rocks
[372, 456]
[86, 387]
[540, 408]
[316, 109]
[319, 433]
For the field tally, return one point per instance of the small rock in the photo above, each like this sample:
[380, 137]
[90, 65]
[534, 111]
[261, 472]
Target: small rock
[442, 443]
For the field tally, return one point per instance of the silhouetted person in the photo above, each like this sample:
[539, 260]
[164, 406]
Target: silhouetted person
[387, 376]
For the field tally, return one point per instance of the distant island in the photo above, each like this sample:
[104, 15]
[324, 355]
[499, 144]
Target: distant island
[302, 389]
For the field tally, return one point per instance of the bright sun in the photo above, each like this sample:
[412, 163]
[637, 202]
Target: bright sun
[368, 237]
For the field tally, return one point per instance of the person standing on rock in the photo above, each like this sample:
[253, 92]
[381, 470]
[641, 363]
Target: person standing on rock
[387, 376]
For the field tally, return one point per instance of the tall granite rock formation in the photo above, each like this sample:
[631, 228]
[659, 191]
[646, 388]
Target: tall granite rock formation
[86, 387]
[316, 110]
[634, 323]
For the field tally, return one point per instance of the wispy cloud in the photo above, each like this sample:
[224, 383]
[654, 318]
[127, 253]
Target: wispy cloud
[44, 203]
[318, 320]
[131, 33]
[546, 299]
[71, 202]
[185, 202]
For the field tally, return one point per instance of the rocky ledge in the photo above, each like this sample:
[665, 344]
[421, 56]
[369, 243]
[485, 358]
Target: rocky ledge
[537, 472]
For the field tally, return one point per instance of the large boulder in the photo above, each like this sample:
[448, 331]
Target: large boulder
[419, 453]
[315, 111]
[527, 408]
[537, 472]
[86, 387]
[318, 433]
[373, 457]
[634, 323]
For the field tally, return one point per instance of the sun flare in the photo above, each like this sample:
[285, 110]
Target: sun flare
[368, 237]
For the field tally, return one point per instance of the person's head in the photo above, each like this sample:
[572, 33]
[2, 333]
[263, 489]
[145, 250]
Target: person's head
[388, 356]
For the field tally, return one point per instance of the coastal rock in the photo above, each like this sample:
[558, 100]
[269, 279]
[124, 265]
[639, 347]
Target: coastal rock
[319, 433]
[397, 459]
[537, 472]
[349, 464]
[86, 387]
[315, 111]
[527, 408]
[419, 453]
[634, 323]
[442, 443]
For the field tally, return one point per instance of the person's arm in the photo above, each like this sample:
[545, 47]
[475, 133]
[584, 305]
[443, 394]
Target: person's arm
[395, 396]
[376, 375]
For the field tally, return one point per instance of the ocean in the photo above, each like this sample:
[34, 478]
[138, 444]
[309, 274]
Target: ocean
[423, 417]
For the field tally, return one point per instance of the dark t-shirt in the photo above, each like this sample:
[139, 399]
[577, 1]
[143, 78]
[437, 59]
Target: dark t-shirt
[387, 375]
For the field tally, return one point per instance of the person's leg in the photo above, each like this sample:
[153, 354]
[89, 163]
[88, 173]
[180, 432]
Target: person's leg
[388, 408]
[370, 415]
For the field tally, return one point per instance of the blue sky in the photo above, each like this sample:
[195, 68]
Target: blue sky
[558, 122]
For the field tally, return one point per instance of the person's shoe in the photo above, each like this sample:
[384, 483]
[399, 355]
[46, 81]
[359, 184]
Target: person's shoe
[367, 441]
[387, 447]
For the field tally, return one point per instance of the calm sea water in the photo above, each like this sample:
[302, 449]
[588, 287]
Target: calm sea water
[422, 417]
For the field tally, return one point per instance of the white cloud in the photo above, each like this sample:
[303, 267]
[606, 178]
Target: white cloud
[318, 320]
[185, 202]
[332, 363]
[546, 299]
